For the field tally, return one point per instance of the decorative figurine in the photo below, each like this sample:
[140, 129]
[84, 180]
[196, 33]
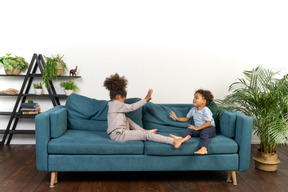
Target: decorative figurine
[73, 71]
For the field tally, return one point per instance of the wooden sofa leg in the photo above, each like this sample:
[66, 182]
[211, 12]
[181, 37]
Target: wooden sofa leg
[56, 178]
[53, 179]
[229, 177]
[233, 174]
[234, 178]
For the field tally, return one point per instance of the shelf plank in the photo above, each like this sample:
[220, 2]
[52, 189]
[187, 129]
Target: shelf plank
[18, 131]
[27, 116]
[5, 113]
[18, 115]
[2, 94]
[46, 95]
[38, 75]
[34, 95]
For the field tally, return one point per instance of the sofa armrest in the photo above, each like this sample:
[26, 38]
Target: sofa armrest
[243, 134]
[43, 135]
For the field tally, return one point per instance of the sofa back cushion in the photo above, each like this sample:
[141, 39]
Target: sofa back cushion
[86, 113]
[91, 114]
[135, 116]
[156, 116]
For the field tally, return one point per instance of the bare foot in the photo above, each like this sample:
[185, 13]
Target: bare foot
[178, 141]
[152, 130]
[175, 137]
[201, 151]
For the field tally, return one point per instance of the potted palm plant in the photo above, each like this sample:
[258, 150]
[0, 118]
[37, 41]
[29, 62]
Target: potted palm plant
[265, 98]
[69, 87]
[53, 67]
[13, 65]
[38, 87]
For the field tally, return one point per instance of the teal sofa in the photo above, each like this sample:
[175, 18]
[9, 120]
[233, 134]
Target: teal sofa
[73, 138]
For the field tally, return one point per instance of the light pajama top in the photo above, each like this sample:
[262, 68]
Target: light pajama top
[117, 120]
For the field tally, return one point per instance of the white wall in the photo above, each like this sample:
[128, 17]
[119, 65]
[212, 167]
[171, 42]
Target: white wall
[174, 47]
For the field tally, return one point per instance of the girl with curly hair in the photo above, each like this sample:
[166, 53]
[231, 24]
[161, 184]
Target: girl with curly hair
[204, 123]
[122, 128]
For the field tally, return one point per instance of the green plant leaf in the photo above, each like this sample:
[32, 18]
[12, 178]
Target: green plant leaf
[69, 85]
[14, 62]
[50, 70]
[263, 97]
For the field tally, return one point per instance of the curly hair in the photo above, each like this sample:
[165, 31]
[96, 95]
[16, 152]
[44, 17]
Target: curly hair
[116, 85]
[207, 95]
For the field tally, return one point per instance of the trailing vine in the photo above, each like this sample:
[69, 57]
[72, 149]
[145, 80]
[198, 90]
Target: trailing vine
[50, 69]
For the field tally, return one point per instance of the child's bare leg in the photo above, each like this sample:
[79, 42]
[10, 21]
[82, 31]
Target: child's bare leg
[151, 130]
[201, 151]
[175, 137]
[178, 141]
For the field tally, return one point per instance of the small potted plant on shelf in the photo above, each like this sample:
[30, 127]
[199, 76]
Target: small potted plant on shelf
[265, 98]
[38, 87]
[13, 65]
[54, 66]
[69, 87]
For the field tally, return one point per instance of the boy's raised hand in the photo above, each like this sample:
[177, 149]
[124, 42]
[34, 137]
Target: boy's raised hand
[149, 95]
[173, 115]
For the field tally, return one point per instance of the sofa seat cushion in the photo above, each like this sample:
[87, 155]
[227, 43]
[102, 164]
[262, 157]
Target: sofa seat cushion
[91, 143]
[217, 145]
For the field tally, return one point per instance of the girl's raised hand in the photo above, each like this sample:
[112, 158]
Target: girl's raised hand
[149, 95]
[173, 115]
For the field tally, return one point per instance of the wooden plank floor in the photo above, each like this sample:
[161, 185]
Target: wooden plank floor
[18, 173]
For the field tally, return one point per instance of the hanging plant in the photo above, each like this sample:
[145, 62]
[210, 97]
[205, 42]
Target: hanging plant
[53, 67]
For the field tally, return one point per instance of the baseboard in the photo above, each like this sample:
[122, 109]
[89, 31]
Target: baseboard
[255, 141]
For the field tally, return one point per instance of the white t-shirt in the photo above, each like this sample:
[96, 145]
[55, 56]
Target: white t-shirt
[200, 117]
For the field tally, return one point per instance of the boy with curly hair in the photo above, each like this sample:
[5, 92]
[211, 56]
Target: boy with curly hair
[204, 123]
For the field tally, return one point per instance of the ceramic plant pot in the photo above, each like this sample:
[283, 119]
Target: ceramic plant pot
[68, 92]
[266, 162]
[38, 91]
[15, 71]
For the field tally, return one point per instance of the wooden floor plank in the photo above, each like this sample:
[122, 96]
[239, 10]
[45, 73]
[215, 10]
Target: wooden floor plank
[19, 173]
[13, 165]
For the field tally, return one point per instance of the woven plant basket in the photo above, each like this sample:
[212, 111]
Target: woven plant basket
[15, 71]
[266, 162]
[59, 69]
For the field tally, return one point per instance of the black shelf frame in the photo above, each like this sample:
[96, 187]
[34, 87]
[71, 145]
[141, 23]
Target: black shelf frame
[37, 61]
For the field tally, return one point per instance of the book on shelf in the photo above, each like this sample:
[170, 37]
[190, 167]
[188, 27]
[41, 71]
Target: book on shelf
[29, 105]
[30, 112]
[28, 109]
